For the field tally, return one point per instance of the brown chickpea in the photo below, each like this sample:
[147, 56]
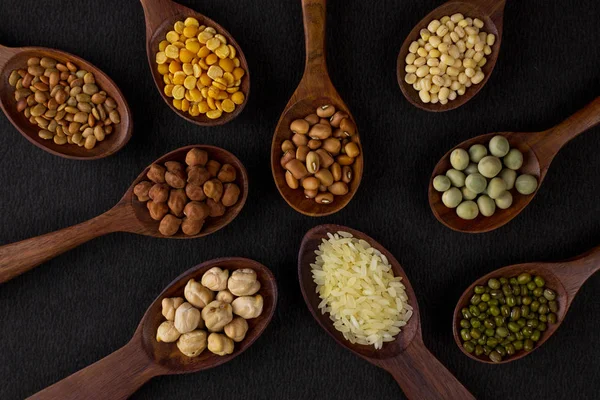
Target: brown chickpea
[344, 160]
[227, 173]
[213, 189]
[177, 201]
[231, 193]
[346, 174]
[338, 188]
[174, 166]
[301, 153]
[310, 194]
[314, 144]
[297, 168]
[195, 192]
[290, 180]
[176, 179]
[310, 183]
[287, 145]
[300, 140]
[159, 192]
[347, 127]
[213, 167]
[156, 173]
[198, 175]
[169, 225]
[320, 131]
[324, 198]
[336, 171]
[332, 145]
[324, 176]
[337, 118]
[196, 210]
[196, 157]
[325, 158]
[326, 111]
[191, 227]
[312, 119]
[157, 210]
[300, 126]
[141, 190]
[352, 149]
[216, 209]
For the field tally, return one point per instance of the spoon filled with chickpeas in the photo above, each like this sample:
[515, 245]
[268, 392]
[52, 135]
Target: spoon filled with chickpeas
[316, 155]
[207, 316]
[188, 193]
[486, 181]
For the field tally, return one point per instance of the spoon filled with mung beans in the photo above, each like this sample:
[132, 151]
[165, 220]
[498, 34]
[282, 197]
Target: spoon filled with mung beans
[508, 313]
[62, 103]
[486, 181]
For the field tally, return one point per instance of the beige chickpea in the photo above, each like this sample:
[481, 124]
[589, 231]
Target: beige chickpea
[159, 192]
[196, 294]
[220, 344]
[176, 179]
[193, 343]
[213, 167]
[191, 227]
[248, 307]
[167, 332]
[231, 194]
[157, 210]
[196, 210]
[236, 329]
[141, 190]
[156, 173]
[243, 282]
[213, 189]
[227, 173]
[187, 318]
[215, 208]
[215, 279]
[174, 166]
[195, 192]
[196, 157]
[216, 315]
[169, 225]
[198, 175]
[169, 305]
[225, 296]
[177, 201]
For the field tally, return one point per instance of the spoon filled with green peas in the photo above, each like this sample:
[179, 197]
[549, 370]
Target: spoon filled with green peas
[508, 313]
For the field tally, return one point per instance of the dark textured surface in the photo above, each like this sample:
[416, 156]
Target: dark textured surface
[79, 307]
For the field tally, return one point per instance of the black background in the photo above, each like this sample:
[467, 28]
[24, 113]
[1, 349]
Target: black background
[83, 305]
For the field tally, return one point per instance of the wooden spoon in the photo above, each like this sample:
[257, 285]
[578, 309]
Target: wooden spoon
[129, 215]
[16, 58]
[120, 374]
[417, 371]
[564, 277]
[491, 12]
[538, 148]
[315, 90]
[160, 16]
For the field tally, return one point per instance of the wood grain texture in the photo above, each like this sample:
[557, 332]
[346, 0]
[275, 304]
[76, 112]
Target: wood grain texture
[121, 373]
[538, 148]
[417, 371]
[16, 58]
[129, 215]
[314, 90]
[160, 16]
[491, 12]
[564, 277]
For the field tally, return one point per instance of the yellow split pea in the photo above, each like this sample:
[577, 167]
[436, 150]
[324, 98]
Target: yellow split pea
[200, 69]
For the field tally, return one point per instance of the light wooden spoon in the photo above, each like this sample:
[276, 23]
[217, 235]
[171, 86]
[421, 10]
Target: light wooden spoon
[16, 58]
[417, 371]
[315, 90]
[564, 277]
[160, 16]
[120, 374]
[491, 12]
[538, 148]
[129, 215]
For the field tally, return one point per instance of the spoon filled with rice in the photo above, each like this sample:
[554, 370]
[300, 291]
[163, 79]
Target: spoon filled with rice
[358, 292]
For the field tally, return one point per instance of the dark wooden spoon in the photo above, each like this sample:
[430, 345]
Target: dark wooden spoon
[16, 58]
[491, 12]
[129, 215]
[315, 89]
[160, 16]
[120, 374]
[538, 148]
[564, 277]
[417, 371]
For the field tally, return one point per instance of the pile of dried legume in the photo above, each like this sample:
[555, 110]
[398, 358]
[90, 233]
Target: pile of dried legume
[200, 70]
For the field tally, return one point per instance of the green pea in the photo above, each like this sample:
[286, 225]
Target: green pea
[478, 350]
[495, 356]
[526, 331]
[474, 310]
[479, 289]
[468, 346]
[476, 183]
[482, 306]
[475, 299]
[543, 318]
[492, 342]
[543, 309]
[515, 313]
[514, 327]
[489, 166]
[535, 336]
[513, 159]
[490, 332]
[457, 178]
[501, 350]
[505, 310]
[502, 331]
[518, 345]
[549, 294]
[485, 297]
[466, 336]
[472, 169]
[553, 305]
[499, 146]
[535, 306]
[466, 314]
[526, 184]
[542, 327]
[453, 196]
[524, 278]
[552, 318]
[487, 206]
[528, 345]
[510, 349]
[475, 334]
[494, 284]
[441, 183]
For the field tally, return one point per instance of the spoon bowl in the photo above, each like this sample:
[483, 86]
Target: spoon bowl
[565, 278]
[538, 148]
[128, 215]
[16, 58]
[415, 369]
[143, 357]
[314, 90]
[491, 12]
[160, 16]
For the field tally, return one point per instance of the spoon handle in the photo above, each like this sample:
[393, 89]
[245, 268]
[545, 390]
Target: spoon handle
[547, 143]
[422, 376]
[314, 15]
[575, 271]
[116, 376]
[20, 257]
